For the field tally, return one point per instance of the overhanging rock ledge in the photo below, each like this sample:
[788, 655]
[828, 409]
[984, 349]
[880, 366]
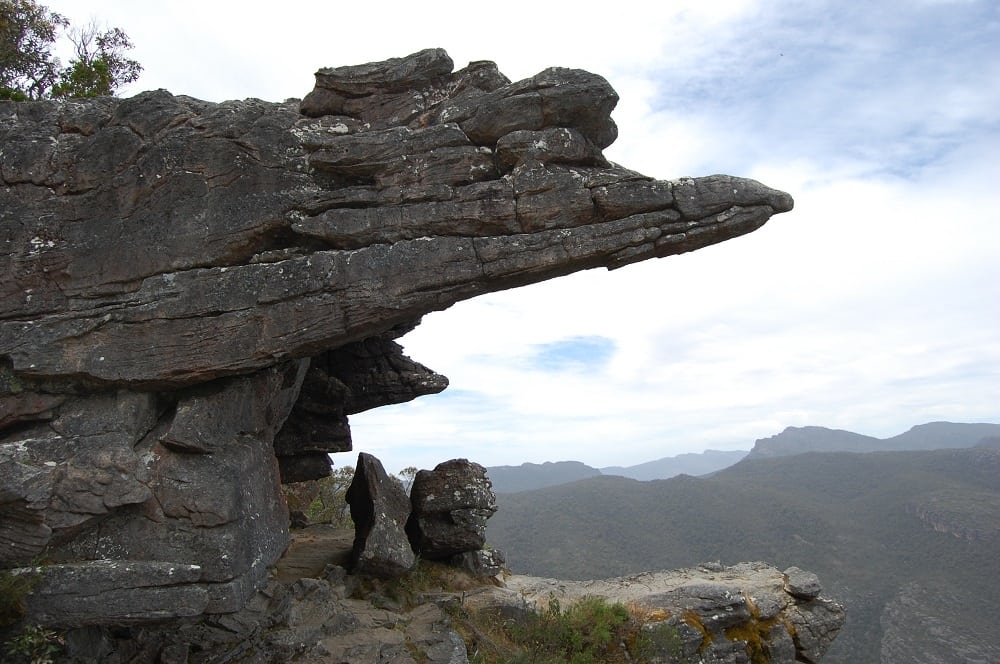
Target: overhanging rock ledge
[197, 294]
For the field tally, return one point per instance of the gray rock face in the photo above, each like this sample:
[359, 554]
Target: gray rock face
[309, 620]
[347, 380]
[932, 623]
[713, 613]
[802, 584]
[106, 592]
[481, 563]
[450, 507]
[379, 508]
[194, 291]
[312, 610]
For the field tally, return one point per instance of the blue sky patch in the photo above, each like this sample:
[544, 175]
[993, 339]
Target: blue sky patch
[573, 353]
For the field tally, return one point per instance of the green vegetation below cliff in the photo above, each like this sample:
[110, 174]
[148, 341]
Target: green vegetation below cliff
[851, 518]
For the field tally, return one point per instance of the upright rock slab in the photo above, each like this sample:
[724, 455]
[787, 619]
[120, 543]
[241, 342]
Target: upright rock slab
[379, 509]
[198, 295]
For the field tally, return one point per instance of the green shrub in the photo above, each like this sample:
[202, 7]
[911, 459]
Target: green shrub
[589, 631]
[14, 586]
[35, 645]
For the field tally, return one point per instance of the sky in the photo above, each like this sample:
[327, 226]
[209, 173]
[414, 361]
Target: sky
[873, 306]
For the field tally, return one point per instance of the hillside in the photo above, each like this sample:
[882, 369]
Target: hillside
[530, 476]
[854, 519]
[930, 436]
[692, 463]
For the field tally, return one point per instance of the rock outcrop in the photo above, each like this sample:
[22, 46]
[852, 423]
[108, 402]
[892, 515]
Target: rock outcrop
[711, 613]
[198, 295]
[963, 513]
[932, 623]
[312, 611]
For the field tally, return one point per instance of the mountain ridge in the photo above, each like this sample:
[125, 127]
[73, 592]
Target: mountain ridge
[792, 440]
[530, 476]
[879, 528]
[927, 436]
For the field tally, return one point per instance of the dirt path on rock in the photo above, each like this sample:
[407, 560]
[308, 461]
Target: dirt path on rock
[312, 549]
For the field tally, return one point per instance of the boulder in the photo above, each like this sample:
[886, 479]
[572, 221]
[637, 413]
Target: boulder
[801, 584]
[380, 509]
[450, 507]
[482, 562]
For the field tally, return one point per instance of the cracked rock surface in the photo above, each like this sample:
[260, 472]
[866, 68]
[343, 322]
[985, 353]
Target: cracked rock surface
[198, 295]
[719, 613]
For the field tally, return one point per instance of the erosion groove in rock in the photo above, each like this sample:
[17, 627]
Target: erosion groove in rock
[198, 295]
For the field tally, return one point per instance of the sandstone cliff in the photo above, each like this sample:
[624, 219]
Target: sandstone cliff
[198, 295]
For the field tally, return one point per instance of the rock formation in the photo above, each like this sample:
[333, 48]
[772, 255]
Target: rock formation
[713, 613]
[443, 519]
[196, 296]
[309, 612]
[379, 509]
[450, 507]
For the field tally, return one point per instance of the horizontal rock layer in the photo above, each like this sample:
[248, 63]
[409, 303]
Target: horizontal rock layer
[197, 295]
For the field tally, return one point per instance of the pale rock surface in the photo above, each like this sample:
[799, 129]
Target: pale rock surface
[711, 607]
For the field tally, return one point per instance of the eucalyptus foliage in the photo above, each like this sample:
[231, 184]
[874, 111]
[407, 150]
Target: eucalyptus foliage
[29, 70]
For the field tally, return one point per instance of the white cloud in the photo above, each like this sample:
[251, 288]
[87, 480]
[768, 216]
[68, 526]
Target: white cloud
[871, 306]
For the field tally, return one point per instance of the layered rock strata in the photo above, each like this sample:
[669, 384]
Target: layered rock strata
[198, 295]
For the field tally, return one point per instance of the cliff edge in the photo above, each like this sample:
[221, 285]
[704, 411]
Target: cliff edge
[198, 295]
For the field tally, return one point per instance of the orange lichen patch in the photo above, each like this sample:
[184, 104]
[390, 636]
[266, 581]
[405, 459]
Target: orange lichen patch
[647, 614]
[692, 618]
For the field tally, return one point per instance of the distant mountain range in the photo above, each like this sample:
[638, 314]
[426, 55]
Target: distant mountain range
[793, 440]
[909, 541]
[693, 463]
[930, 436]
[530, 476]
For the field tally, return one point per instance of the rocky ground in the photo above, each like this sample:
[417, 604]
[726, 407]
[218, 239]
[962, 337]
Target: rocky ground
[313, 611]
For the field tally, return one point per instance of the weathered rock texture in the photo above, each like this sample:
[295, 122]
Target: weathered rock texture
[712, 613]
[312, 610]
[450, 507]
[307, 620]
[379, 509]
[194, 291]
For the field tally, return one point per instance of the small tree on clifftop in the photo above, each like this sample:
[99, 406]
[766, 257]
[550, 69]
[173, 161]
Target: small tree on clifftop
[29, 70]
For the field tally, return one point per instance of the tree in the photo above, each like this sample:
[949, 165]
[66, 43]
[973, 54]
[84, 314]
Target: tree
[330, 506]
[29, 70]
[100, 66]
[406, 477]
[27, 33]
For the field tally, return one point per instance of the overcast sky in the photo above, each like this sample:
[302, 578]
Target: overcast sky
[873, 306]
